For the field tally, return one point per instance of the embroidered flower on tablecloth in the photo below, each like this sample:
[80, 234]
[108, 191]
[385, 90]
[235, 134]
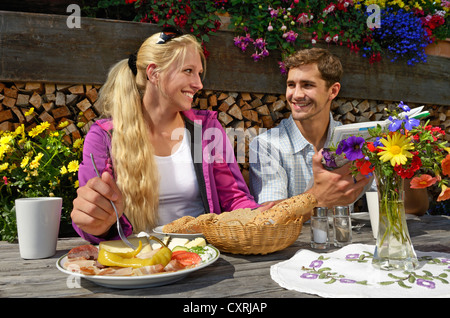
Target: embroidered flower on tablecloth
[405, 279]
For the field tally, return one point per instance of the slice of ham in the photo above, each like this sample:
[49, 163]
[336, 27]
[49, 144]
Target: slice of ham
[174, 266]
[148, 270]
[88, 252]
[116, 271]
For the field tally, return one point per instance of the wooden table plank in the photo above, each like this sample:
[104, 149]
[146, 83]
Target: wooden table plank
[235, 276]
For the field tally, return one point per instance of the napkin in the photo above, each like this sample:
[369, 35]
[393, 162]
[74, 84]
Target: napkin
[349, 273]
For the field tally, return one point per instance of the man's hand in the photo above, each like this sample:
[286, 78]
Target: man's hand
[337, 187]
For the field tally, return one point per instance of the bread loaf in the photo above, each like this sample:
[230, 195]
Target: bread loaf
[286, 210]
[237, 217]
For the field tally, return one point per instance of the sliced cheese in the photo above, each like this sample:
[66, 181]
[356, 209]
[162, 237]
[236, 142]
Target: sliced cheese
[176, 241]
[156, 245]
[117, 246]
[199, 241]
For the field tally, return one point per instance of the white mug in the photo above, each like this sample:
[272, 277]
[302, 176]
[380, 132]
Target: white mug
[372, 204]
[38, 226]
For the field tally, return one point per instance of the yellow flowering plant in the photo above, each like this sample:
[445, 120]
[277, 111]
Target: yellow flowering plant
[33, 163]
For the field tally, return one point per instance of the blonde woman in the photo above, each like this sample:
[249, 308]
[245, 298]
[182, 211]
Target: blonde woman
[158, 158]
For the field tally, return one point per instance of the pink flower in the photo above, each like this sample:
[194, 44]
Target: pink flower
[5, 180]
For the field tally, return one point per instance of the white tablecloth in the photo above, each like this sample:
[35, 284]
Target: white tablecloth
[348, 272]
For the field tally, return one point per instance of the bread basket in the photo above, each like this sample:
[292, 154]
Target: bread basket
[251, 238]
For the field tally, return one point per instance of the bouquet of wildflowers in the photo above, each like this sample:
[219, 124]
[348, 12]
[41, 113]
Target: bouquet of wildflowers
[406, 148]
[35, 163]
[402, 149]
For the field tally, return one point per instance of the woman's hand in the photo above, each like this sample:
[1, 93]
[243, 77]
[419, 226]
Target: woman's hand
[92, 211]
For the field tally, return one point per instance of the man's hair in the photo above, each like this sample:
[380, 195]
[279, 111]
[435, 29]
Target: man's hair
[329, 65]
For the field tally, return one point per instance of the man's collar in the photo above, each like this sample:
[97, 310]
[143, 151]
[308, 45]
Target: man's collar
[298, 141]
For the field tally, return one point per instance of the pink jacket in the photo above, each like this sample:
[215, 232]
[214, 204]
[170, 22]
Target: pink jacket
[220, 180]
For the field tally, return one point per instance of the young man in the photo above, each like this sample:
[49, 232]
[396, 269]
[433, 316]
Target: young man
[286, 160]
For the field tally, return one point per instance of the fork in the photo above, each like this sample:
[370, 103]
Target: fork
[119, 227]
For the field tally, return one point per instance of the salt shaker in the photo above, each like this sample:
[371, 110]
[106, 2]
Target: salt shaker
[319, 228]
[342, 226]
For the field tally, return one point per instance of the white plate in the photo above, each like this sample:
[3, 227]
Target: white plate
[127, 282]
[158, 230]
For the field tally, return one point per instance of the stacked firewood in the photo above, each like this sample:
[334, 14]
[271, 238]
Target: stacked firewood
[33, 103]
[251, 113]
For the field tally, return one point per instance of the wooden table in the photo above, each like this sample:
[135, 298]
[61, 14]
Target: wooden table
[235, 276]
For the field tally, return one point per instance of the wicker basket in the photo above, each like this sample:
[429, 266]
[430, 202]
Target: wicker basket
[251, 238]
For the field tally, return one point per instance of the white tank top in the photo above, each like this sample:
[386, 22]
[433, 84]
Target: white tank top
[179, 193]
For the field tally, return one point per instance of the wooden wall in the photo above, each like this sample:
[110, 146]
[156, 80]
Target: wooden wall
[41, 48]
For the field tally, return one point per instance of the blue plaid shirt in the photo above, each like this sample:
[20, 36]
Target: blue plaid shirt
[281, 161]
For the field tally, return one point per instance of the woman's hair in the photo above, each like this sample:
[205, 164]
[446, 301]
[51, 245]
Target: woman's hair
[329, 65]
[132, 153]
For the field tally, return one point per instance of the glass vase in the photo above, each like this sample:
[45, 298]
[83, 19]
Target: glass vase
[394, 249]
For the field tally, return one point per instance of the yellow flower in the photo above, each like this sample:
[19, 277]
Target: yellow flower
[73, 166]
[63, 124]
[63, 170]
[20, 129]
[24, 162]
[29, 112]
[76, 184]
[396, 149]
[4, 149]
[54, 134]
[78, 143]
[38, 129]
[5, 140]
[35, 163]
[4, 166]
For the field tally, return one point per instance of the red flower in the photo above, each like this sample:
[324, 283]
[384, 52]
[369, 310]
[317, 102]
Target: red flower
[364, 167]
[446, 165]
[423, 181]
[408, 173]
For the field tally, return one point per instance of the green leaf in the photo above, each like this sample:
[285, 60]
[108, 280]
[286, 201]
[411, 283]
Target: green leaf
[402, 284]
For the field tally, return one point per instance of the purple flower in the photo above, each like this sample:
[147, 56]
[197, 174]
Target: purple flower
[316, 263]
[309, 276]
[290, 36]
[347, 281]
[329, 158]
[425, 283]
[260, 43]
[256, 57]
[411, 123]
[352, 256]
[404, 107]
[351, 147]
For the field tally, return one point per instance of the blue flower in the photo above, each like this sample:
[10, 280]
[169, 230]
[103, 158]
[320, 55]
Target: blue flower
[411, 123]
[395, 125]
[377, 142]
[404, 107]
